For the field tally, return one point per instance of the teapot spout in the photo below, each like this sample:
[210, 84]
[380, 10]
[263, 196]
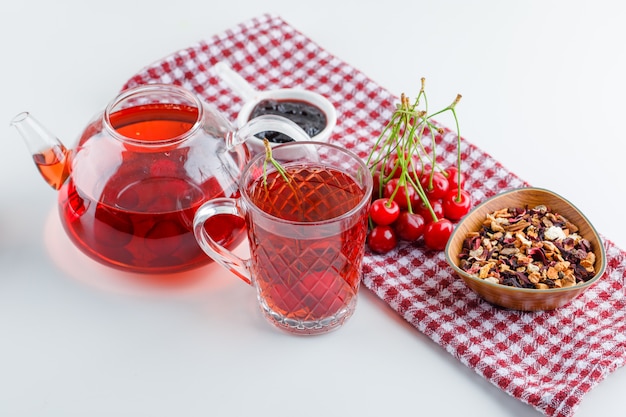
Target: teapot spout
[49, 154]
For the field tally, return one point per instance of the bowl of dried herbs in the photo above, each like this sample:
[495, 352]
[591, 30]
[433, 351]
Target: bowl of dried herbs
[527, 249]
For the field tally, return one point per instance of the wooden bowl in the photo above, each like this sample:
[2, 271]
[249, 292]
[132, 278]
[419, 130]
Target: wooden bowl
[523, 298]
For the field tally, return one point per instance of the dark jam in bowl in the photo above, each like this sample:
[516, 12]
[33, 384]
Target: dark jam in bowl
[306, 115]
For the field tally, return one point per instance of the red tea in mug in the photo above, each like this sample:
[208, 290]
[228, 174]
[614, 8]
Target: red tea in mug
[309, 270]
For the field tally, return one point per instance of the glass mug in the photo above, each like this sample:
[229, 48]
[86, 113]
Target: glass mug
[306, 233]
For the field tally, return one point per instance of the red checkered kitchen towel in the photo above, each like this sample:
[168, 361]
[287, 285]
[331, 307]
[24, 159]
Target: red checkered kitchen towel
[546, 359]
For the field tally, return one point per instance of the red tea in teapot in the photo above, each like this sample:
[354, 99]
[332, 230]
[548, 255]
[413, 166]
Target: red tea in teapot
[53, 166]
[129, 190]
[140, 216]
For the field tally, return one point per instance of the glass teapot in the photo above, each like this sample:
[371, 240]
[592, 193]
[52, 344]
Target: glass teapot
[130, 188]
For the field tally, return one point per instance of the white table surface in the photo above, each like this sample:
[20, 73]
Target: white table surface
[543, 91]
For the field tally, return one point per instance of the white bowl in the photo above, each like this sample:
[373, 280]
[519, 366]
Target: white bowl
[253, 97]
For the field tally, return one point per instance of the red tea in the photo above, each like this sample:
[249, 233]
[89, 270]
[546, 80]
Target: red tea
[308, 270]
[53, 165]
[140, 217]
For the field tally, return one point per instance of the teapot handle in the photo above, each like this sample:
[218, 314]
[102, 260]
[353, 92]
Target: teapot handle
[265, 123]
[223, 256]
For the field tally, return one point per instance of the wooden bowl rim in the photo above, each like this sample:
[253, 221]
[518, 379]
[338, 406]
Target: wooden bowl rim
[600, 262]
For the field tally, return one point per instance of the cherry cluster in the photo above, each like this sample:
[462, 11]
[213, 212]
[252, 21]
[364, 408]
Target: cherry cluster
[399, 213]
[414, 196]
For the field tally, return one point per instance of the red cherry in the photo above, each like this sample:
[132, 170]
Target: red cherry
[384, 211]
[409, 226]
[437, 209]
[382, 239]
[437, 233]
[453, 178]
[377, 190]
[401, 195]
[435, 185]
[453, 208]
[394, 166]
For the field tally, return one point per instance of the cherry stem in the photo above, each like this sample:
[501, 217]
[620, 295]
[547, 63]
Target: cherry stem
[402, 136]
[269, 158]
[458, 150]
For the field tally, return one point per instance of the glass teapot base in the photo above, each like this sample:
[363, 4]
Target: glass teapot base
[151, 243]
[163, 265]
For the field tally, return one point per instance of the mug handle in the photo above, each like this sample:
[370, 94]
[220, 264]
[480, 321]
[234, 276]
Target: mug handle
[223, 256]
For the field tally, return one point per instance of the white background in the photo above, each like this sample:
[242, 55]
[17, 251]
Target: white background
[543, 87]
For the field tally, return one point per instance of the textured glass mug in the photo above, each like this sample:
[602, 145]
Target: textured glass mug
[306, 234]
